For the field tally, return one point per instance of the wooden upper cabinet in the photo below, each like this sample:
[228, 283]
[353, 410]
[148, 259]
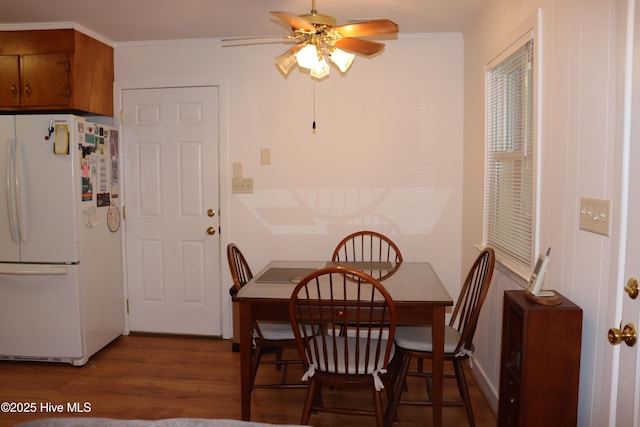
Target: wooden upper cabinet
[45, 80]
[55, 70]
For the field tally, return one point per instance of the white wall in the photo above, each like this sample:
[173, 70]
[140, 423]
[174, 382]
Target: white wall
[579, 140]
[386, 155]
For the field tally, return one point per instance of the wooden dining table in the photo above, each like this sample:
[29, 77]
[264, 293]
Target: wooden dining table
[418, 293]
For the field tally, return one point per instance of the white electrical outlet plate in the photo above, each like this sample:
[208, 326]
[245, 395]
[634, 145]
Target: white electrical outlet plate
[242, 185]
[595, 215]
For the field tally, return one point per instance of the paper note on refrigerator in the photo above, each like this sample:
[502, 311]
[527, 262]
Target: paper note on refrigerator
[61, 139]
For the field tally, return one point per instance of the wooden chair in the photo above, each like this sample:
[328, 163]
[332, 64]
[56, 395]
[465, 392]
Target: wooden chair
[274, 336]
[369, 246]
[358, 358]
[415, 341]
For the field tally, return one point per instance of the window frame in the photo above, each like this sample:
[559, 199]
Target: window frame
[530, 31]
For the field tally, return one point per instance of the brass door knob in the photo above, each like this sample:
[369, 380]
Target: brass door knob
[211, 212]
[632, 288]
[211, 231]
[627, 334]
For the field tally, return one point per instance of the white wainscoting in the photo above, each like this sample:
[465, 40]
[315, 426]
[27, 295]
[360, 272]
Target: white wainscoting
[488, 337]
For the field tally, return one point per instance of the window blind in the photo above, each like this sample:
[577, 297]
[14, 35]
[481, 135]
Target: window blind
[510, 157]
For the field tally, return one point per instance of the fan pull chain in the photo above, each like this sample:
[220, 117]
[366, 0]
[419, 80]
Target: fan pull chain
[313, 126]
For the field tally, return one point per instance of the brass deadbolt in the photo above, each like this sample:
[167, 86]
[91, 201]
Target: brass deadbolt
[632, 288]
[211, 231]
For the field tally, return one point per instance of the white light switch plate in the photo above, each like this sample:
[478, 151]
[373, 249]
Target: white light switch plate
[595, 215]
[265, 156]
[237, 170]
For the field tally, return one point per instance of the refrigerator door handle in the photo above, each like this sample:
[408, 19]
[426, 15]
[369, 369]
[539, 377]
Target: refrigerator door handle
[33, 269]
[18, 169]
[11, 206]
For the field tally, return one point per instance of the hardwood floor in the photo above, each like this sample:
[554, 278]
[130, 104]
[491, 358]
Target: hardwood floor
[150, 377]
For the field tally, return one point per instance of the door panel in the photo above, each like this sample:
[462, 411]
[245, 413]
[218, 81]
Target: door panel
[50, 188]
[45, 310]
[10, 248]
[171, 181]
[45, 80]
[10, 80]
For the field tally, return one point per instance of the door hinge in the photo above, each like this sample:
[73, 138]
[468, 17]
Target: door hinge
[127, 305]
[124, 213]
[121, 116]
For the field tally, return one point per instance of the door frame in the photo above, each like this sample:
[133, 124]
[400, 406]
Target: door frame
[626, 130]
[223, 195]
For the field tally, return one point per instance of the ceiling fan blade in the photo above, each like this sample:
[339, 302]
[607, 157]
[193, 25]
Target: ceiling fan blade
[362, 47]
[258, 43]
[249, 38]
[369, 28]
[295, 21]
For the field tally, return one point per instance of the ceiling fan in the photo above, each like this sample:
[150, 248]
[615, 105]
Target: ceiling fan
[318, 38]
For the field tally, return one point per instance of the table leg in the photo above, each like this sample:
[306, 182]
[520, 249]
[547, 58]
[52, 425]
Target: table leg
[245, 359]
[438, 363]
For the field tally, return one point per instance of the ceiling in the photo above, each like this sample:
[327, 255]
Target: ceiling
[120, 21]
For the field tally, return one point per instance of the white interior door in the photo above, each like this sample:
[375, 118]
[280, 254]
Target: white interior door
[627, 393]
[171, 202]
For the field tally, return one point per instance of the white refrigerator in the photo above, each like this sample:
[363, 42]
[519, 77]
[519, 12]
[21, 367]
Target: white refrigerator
[61, 294]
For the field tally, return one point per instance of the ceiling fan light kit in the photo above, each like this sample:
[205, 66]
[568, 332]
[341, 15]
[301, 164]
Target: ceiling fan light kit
[318, 38]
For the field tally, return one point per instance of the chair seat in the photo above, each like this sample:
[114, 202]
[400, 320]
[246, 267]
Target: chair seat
[363, 366]
[418, 338]
[278, 331]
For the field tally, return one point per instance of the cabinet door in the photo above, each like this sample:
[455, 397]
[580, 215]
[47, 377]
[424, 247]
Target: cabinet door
[45, 80]
[9, 80]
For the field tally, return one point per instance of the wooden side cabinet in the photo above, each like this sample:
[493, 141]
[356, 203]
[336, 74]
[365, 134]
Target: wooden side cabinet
[540, 362]
[63, 70]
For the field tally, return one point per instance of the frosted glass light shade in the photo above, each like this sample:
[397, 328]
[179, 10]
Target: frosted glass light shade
[342, 59]
[320, 70]
[286, 62]
[308, 57]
